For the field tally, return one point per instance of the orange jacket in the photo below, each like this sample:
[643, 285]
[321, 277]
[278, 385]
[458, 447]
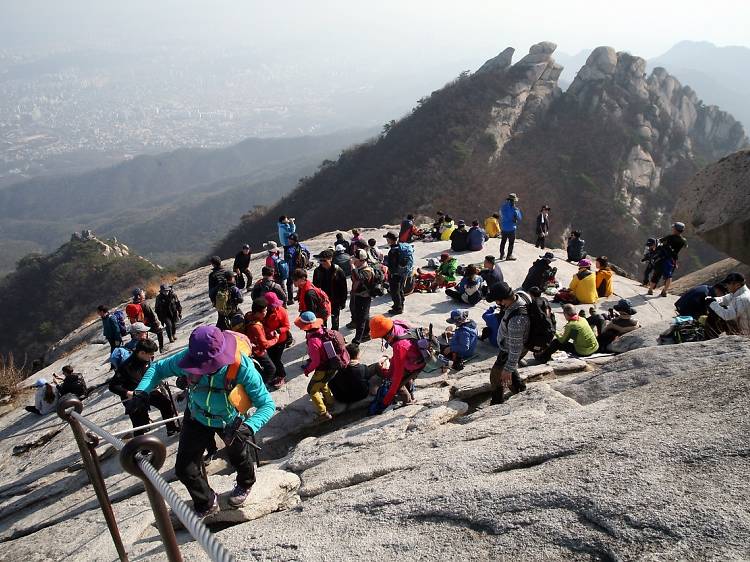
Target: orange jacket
[277, 319]
[257, 335]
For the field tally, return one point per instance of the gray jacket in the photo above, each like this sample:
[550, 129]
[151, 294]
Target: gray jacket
[513, 333]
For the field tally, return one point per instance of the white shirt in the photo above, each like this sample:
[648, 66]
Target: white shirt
[737, 308]
[41, 404]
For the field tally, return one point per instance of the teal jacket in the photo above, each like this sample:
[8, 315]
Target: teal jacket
[209, 396]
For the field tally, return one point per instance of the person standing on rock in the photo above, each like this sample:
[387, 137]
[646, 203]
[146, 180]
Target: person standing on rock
[241, 268]
[266, 284]
[277, 323]
[363, 277]
[169, 310]
[577, 337]
[735, 306]
[310, 297]
[400, 262]
[216, 278]
[332, 280]
[296, 256]
[649, 258]
[287, 227]
[227, 301]
[262, 341]
[510, 215]
[669, 250]
[512, 335]
[111, 328]
[149, 317]
[214, 363]
[542, 227]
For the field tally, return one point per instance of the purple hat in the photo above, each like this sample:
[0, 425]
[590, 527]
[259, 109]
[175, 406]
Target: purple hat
[208, 351]
[584, 263]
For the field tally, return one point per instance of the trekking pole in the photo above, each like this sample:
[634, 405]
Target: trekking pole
[174, 405]
[87, 447]
[152, 451]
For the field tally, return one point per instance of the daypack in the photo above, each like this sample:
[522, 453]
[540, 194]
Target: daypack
[262, 287]
[682, 330]
[302, 258]
[120, 318]
[282, 269]
[334, 346]
[375, 287]
[73, 383]
[405, 258]
[426, 342]
[119, 356]
[134, 312]
[324, 309]
[541, 329]
[222, 303]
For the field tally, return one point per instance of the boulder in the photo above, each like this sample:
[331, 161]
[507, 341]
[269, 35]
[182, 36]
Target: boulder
[645, 336]
[500, 63]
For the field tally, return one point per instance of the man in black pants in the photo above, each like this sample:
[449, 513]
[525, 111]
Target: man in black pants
[126, 379]
[397, 274]
[362, 279]
[332, 280]
[241, 267]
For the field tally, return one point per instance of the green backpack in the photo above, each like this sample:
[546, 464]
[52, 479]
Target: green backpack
[222, 305]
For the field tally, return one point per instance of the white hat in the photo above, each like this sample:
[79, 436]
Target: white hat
[139, 328]
[340, 248]
[40, 382]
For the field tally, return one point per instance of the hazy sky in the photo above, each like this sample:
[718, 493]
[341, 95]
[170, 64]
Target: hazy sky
[413, 29]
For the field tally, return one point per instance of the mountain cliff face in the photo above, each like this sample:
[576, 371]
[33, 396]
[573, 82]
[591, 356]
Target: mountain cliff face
[48, 296]
[609, 155]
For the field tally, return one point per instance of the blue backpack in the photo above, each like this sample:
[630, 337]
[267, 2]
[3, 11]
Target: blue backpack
[406, 258]
[120, 317]
[282, 269]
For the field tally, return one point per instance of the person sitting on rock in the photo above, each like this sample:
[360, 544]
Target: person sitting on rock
[596, 320]
[405, 364]
[357, 242]
[375, 255]
[693, 302]
[491, 273]
[342, 259]
[492, 225]
[216, 364]
[437, 225]
[576, 247]
[649, 258]
[735, 305]
[577, 337]
[604, 284]
[618, 326]
[72, 383]
[460, 238]
[256, 333]
[512, 336]
[45, 398]
[352, 384]
[668, 251]
[318, 366]
[446, 230]
[462, 341]
[126, 380]
[540, 273]
[469, 289]
[445, 276]
[408, 231]
[582, 289]
[476, 238]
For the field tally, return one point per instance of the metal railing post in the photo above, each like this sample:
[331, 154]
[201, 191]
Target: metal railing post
[93, 470]
[156, 453]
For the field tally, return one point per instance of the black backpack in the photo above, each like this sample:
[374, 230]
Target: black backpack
[375, 288]
[541, 329]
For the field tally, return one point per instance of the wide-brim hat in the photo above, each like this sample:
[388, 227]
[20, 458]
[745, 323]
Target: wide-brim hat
[308, 321]
[625, 307]
[209, 349]
[458, 316]
[548, 256]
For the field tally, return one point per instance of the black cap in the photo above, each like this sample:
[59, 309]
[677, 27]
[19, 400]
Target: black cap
[390, 236]
[499, 291]
[734, 277]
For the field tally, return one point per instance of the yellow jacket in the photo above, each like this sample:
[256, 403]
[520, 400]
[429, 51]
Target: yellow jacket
[448, 230]
[583, 286]
[492, 227]
[604, 285]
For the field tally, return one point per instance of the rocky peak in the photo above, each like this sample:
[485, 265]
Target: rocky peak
[498, 64]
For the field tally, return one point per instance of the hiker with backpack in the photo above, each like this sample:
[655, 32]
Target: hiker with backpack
[296, 256]
[650, 258]
[241, 268]
[511, 215]
[138, 332]
[619, 325]
[216, 278]
[127, 378]
[45, 398]
[286, 227]
[72, 383]
[576, 248]
[310, 297]
[146, 315]
[113, 327]
[460, 238]
[169, 310]
[375, 255]
[222, 381]
[342, 259]
[476, 238]
[540, 273]
[327, 351]
[352, 383]
[400, 262]
[492, 225]
[542, 227]
[734, 307]
[462, 341]
[668, 251]
[266, 284]
[227, 302]
[357, 242]
[276, 262]
[577, 337]
[470, 289]
[366, 283]
[262, 342]
[410, 350]
[332, 280]
[276, 324]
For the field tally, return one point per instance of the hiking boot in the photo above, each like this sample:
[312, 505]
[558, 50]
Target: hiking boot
[663, 294]
[517, 386]
[497, 397]
[238, 495]
[502, 256]
[278, 382]
[211, 510]
[650, 292]
[510, 258]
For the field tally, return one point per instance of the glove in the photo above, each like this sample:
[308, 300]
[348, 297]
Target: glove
[138, 403]
[709, 300]
[235, 430]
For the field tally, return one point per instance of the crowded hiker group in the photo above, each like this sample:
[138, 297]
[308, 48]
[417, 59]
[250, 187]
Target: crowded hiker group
[229, 371]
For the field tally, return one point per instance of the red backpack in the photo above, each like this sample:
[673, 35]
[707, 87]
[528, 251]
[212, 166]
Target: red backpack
[134, 312]
[325, 303]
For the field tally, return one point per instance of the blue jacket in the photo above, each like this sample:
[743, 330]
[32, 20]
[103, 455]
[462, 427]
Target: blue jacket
[111, 328]
[477, 238]
[693, 303]
[209, 394]
[285, 229]
[492, 320]
[510, 216]
[464, 339]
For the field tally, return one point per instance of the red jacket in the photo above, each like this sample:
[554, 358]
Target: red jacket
[257, 336]
[312, 298]
[277, 319]
[406, 358]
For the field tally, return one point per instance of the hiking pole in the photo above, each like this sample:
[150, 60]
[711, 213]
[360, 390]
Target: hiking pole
[87, 447]
[174, 404]
[152, 451]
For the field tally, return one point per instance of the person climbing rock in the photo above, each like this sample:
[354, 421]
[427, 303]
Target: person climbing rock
[277, 323]
[214, 364]
[149, 317]
[111, 327]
